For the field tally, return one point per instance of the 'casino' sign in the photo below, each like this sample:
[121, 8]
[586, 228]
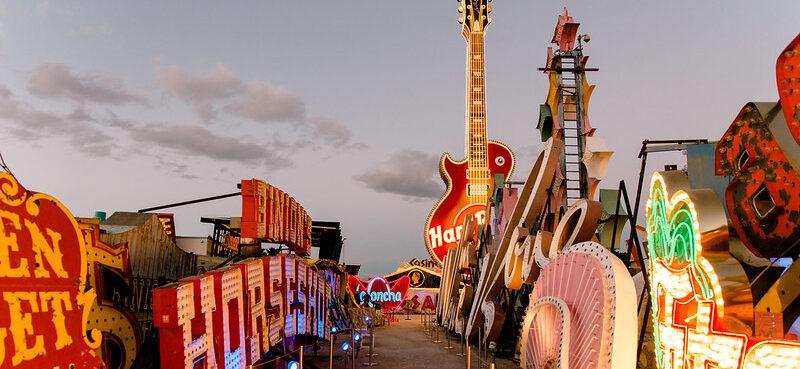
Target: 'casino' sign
[45, 300]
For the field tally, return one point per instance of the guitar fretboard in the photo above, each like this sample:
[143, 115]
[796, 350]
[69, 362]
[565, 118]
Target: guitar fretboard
[476, 145]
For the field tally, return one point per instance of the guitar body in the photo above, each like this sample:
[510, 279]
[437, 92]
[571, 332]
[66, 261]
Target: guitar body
[444, 224]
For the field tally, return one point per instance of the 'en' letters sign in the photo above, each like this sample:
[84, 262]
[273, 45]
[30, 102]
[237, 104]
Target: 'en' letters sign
[44, 303]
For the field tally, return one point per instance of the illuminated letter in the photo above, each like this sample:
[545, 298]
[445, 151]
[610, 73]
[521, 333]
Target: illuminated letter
[56, 301]
[8, 241]
[449, 236]
[436, 236]
[41, 247]
[22, 326]
[259, 336]
[175, 306]
[229, 320]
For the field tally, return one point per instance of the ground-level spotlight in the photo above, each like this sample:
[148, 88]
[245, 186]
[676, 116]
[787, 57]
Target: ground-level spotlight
[293, 365]
[346, 346]
[357, 337]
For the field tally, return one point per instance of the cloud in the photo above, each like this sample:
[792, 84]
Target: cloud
[192, 140]
[330, 132]
[264, 102]
[203, 90]
[28, 123]
[56, 80]
[258, 101]
[409, 173]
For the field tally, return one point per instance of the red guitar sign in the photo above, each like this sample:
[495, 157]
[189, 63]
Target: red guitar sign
[470, 181]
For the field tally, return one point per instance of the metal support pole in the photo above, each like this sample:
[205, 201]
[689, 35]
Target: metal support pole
[462, 353]
[353, 348]
[436, 330]
[479, 345]
[447, 334]
[468, 357]
[330, 358]
[301, 356]
[371, 348]
[190, 202]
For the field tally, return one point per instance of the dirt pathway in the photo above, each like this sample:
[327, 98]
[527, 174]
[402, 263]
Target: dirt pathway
[404, 345]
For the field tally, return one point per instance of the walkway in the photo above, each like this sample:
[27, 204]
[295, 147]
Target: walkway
[404, 345]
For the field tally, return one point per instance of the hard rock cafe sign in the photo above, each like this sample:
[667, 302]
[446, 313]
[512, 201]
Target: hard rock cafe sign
[702, 304]
[45, 302]
[583, 300]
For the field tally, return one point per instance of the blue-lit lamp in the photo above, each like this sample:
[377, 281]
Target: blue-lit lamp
[293, 365]
[357, 336]
[346, 346]
[368, 319]
[334, 329]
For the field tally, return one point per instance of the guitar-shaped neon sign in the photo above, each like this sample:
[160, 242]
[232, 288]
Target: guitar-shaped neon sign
[470, 181]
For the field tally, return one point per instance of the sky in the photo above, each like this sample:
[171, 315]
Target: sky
[346, 105]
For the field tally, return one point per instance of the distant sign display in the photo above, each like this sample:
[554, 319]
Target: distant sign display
[270, 215]
[378, 292]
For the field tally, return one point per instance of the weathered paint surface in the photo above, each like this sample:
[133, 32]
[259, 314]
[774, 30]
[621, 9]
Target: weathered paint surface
[750, 152]
[788, 78]
[44, 298]
[108, 269]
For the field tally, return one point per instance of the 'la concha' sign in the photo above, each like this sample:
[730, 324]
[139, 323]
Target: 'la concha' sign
[378, 292]
[45, 303]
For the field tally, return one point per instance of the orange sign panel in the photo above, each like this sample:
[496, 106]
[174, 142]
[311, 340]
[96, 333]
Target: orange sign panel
[271, 215]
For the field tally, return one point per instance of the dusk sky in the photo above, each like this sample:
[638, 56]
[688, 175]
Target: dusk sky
[345, 105]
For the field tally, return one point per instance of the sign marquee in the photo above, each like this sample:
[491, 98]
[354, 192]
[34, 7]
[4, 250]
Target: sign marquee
[271, 215]
[702, 304]
[470, 182]
[229, 318]
[379, 292]
[45, 299]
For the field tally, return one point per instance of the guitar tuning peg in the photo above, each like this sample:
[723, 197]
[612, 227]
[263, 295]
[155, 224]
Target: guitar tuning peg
[460, 20]
[489, 9]
[460, 9]
[489, 20]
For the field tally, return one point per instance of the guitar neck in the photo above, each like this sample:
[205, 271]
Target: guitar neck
[476, 145]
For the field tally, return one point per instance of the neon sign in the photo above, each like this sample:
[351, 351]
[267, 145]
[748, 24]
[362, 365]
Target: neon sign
[601, 302]
[702, 305]
[45, 300]
[379, 292]
[228, 318]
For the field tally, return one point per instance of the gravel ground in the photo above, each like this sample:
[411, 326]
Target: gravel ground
[404, 345]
